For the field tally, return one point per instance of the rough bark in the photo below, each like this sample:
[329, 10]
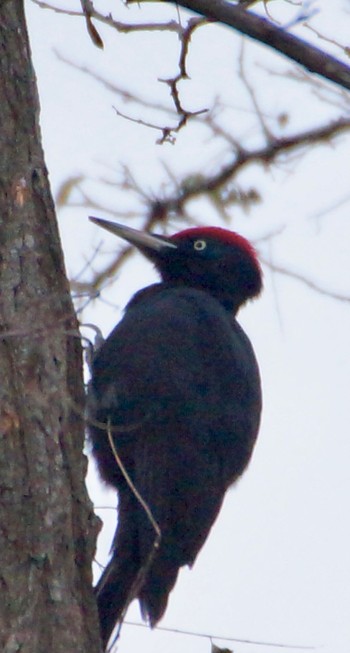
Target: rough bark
[47, 528]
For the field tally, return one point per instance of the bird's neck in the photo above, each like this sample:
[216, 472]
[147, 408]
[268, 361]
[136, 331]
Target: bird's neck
[229, 302]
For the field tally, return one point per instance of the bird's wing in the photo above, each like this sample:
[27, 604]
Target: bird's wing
[174, 373]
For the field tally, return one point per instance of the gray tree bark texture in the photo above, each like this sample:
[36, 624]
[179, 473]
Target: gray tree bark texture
[47, 527]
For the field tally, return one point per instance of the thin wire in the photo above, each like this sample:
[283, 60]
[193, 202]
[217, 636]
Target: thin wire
[226, 639]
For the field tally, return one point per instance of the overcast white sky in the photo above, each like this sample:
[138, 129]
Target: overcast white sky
[276, 567]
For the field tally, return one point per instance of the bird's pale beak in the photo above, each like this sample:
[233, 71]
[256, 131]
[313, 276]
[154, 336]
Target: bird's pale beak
[140, 239]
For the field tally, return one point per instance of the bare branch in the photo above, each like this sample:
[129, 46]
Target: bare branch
[237, 17]
[123, 93]
[304, 280]
[264, 31]
[170, 26]
[187, 32]
[344, 48]
[168, 131]
[202, 184]
[158, 210]
[252, 95]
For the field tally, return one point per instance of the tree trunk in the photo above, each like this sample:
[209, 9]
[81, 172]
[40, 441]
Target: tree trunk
[47, 527]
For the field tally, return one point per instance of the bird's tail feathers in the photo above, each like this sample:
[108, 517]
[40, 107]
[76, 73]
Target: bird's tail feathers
[154, 593]
[113, 594]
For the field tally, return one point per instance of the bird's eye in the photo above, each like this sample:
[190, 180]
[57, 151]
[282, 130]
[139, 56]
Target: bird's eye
[199, 245]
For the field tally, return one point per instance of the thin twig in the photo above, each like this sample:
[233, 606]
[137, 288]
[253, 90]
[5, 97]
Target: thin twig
[203, 185]
[132, 487]
[170, 26]
[262, 30]
[252, 95]
[307, 282]
[137, 584]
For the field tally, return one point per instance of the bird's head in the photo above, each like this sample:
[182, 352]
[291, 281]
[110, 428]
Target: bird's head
[212, 259]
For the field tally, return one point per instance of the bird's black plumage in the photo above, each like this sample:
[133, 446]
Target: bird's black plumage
[178, 380]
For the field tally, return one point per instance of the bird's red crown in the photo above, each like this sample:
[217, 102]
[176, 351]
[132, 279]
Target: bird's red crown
[224, 235]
